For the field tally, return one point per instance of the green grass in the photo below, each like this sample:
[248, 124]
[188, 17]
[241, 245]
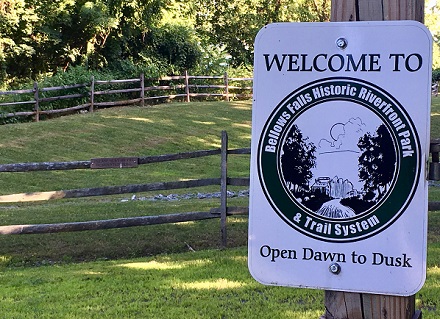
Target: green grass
[206, 284]
[133, 131]
[162, 129]
[145, 272]
[17, 250]
[435, 117]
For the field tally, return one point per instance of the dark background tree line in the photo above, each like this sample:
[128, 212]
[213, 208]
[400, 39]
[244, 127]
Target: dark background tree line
[41, 40]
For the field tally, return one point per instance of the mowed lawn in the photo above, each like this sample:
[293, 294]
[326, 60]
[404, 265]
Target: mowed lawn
[163, 271]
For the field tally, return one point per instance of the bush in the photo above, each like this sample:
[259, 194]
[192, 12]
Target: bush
[436, 75]
[176, 45]
[74, 75]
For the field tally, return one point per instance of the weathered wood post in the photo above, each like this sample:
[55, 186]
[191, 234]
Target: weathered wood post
[37, 102]
[342, 305]
[142, 90]
[226, 82]
[377, 10]
[223, 187]
[92, 93]
[187, 97]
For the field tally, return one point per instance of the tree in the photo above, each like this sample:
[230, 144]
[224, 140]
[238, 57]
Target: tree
[177, 45]
[16, 28]
[44, 36]
[432, 21]
[298, 159]
[233, 24]
[377, 162]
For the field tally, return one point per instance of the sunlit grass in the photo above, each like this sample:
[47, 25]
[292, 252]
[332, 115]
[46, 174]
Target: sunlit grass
[152, 265]
[205, 284]
[217, 284]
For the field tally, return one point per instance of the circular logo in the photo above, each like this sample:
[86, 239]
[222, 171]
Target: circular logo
[339, 159]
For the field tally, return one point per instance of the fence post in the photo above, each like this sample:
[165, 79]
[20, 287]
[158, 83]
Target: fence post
[225, 78]
[37, 102]
[224, 187]
[187, 87]
[142, 90]
[92, 93]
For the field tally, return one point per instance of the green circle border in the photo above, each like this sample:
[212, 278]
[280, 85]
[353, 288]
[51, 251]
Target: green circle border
[389, 209]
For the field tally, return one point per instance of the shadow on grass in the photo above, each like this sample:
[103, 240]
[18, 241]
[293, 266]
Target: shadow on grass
[205, 284]
[119, 243]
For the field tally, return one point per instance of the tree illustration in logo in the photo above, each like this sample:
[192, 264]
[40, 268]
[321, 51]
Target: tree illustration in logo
[297, 160]
[377, 163]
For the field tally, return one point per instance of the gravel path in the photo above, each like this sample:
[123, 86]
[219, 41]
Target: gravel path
[178, 197]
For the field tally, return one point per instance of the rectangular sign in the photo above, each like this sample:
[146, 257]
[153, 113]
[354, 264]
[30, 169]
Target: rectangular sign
[340, 139]
[114, 162]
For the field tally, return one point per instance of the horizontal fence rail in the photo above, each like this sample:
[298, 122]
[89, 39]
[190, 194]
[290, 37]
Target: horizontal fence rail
[49, 166]
[40, 101]
[119, 222]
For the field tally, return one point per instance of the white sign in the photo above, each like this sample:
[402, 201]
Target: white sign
[340, 139]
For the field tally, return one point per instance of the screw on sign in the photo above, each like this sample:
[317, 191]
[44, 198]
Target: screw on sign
[341, 43]
[335, 268]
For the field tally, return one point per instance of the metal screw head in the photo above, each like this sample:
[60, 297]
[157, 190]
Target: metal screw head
[335, 268]
[341, 43]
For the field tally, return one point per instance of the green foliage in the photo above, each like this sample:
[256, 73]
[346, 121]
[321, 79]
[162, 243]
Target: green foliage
[159, 37]
[16, 28]
[432, 21]
[436, 75]
[39, 37]
[177, 45]
[234, 24]
[213, 61]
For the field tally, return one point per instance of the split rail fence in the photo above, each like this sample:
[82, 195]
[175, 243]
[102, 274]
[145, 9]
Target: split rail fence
[222, 211]
[101, 163]
[217, 212]
[40, 101]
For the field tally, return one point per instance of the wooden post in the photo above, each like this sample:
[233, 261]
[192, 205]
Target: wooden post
[224, 187]
[142, 90]
[187, 99]
[343, 305]
[377, 10]
[226, 82]
[434, 165]
[92, 93]
[37, 102]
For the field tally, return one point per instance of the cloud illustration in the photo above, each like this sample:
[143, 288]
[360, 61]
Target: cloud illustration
[343, 137]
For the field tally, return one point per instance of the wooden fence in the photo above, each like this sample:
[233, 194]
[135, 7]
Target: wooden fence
[217, 212]
[222, 211]
[98, 94]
